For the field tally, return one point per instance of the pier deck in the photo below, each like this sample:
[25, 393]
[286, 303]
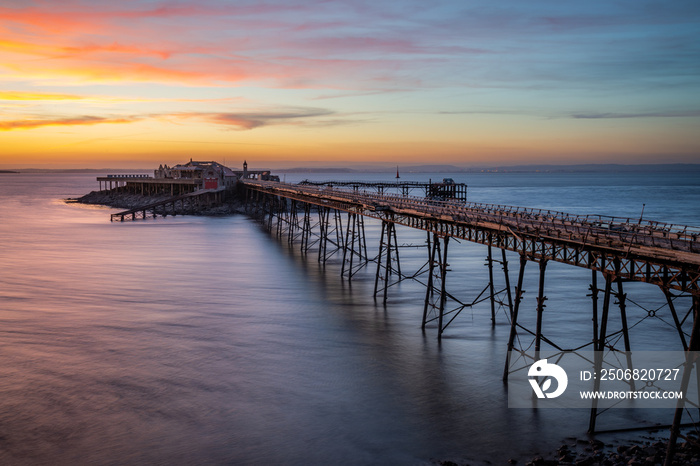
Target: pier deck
[648, 251]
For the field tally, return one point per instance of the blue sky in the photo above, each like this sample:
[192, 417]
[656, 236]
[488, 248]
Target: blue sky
[327, 82]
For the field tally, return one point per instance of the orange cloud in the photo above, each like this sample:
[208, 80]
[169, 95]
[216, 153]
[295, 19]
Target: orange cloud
[46, 96]
[53, 51]
[106, 72]
[24, 96]
[84, 120]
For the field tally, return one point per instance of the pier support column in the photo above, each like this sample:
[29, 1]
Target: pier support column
[443, 284]
[504, 263]
[594, 298]
[387, 273]
[379, 258]
[541, 298]
[491, 288]
[306, 228]
[324, 221]
[396, 250]
[599, 348]
[431, 268]
[436, 294]
[621, 301]
[363, 248]
[354, 244]
[674, 314]
[293, 222]
[514, 318]
[387, 257]
[270, 203]
[690, 362]
[348, 244]
[352, 239]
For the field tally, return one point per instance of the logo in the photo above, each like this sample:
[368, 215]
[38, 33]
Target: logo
[551, 371]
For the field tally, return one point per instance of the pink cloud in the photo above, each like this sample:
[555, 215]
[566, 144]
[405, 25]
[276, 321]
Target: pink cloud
[194, 44]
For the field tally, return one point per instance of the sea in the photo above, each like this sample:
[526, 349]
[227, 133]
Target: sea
[208, 340]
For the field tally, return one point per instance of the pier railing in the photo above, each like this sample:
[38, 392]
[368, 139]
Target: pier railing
[595, 230]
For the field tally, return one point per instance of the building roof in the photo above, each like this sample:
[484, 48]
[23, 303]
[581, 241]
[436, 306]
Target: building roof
[198, 165]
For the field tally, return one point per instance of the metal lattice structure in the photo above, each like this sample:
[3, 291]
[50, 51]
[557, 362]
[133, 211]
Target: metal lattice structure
[619, 249]
[663, 254]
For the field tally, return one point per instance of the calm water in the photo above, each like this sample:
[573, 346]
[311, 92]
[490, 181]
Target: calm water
[205, 340]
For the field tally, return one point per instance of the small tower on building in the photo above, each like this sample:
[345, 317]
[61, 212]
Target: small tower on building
[245, 170]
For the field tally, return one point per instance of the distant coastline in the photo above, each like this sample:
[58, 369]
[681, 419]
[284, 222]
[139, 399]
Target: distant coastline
[580, 168]
[426, 168]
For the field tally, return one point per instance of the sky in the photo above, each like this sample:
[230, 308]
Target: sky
[137, 83]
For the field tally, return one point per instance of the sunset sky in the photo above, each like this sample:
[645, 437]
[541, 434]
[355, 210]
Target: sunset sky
[132, 84]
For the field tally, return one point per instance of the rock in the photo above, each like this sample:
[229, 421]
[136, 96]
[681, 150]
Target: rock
[566, 458]
[633, 450]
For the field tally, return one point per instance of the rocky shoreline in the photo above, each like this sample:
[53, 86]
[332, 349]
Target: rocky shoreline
[646, 451]
[133, 201]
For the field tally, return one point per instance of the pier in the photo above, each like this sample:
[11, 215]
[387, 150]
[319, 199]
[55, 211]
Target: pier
[328, 219]
[331, 219]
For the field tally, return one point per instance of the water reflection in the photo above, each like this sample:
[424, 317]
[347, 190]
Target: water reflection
[205, 340]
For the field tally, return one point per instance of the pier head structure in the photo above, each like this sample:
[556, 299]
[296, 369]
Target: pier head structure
[181, 179]
[178, 180]
[182, 189]
[328, 219]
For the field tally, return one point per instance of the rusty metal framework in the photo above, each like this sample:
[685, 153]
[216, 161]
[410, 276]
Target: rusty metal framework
[439, 190]
[177, 205]
[618, 250]
[652, 252]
